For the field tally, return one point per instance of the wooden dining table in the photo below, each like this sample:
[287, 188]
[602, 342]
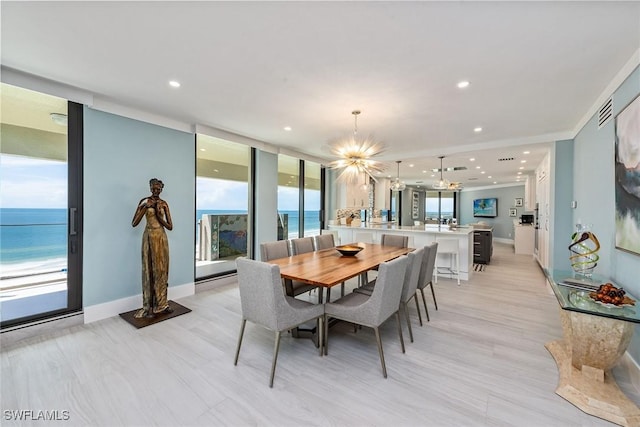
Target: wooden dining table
[328, 267]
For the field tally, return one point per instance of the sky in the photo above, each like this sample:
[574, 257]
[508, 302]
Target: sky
[35, 183]
[32, 183]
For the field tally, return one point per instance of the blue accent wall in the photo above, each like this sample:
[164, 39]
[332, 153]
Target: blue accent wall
[563, 224]
[120, 156]
[503, 223]
[593, 178]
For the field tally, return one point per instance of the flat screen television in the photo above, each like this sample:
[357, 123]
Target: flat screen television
[485, 208]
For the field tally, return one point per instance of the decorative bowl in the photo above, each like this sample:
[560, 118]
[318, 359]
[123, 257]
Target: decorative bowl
[349, 250]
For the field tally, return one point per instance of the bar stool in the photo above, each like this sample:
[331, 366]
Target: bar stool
[450, 248]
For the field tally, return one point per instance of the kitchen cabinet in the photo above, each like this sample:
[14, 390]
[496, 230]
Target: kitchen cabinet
[530, 193]
[524, 239]
[482, 246]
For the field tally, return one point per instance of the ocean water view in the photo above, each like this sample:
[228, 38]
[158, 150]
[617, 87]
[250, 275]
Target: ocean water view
[36, 239]
[32, 241]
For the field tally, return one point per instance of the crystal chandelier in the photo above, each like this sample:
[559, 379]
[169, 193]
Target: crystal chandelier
[355, 155]
[443, 184]
[398, 185]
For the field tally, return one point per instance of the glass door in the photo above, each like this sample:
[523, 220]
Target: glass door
[40, 201]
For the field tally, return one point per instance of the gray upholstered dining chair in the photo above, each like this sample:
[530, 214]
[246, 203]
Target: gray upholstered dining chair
[336, 236]
[426, 277]
[280, 249]
[302, 245]
[409, 285]
[324, 241]
[394, 240]
[264, 304]
[390, 240]
[372, 310]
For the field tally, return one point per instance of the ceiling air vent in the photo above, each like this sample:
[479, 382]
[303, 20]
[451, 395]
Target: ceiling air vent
[506, 159]
[604, 114]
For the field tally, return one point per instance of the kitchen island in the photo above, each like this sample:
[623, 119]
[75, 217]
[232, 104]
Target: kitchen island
[418, 236]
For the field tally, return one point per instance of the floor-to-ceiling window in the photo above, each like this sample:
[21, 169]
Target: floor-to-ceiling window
[440, 206]
[312, 198]
[222, 204]
[40, 206]
[299, 197]
[288, 197]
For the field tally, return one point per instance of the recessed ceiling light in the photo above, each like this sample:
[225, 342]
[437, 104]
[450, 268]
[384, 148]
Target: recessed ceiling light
[424, 171]
[216, 170]
[482, 172]
[489, 177]
[519, 173]
[411, 165]
[432, 175]
[174, 83]
[203, 149]
[287, 128]
[472, 159]
[477, 167]
[59, 118]
[526, 152]
[478, 129]
[523, 161]
[495, 182]
[463, 84]
[521, 167]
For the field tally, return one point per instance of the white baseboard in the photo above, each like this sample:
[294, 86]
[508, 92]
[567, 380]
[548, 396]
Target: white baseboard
[113, 308]
[16, 334]
[632, 369]
[502, 240]
[216, 282]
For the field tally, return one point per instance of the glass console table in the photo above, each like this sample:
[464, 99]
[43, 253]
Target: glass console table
[595, 336]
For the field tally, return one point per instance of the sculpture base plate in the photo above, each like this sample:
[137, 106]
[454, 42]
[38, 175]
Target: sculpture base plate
[146, 321]
[592, 390]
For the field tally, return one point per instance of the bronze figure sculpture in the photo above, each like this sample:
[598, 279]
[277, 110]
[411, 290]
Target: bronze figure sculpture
[155, 251]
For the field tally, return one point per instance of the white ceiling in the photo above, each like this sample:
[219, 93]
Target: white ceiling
[537, 69]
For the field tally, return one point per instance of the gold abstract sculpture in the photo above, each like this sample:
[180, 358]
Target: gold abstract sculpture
[155, 251]
[583, 248]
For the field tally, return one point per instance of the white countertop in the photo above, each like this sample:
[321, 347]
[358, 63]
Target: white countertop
[428, 228]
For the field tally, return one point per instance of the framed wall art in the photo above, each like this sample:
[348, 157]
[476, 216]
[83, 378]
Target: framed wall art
[513, 212]
[415, 206]
[627, 178]
[518, 202]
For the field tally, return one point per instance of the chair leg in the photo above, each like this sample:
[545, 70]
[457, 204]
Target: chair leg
[434, 296]
[415, 298]
[325, 320]
[342, 290]
[276, 347]
[405, 308]
[458, 268]
[424, 301]
[320, 329]
[244, 322]
[384, 368]
[328, 296]
[400, 330]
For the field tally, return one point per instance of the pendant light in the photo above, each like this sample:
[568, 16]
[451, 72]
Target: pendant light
[398, 185]
[443, 184]
[355, 155]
